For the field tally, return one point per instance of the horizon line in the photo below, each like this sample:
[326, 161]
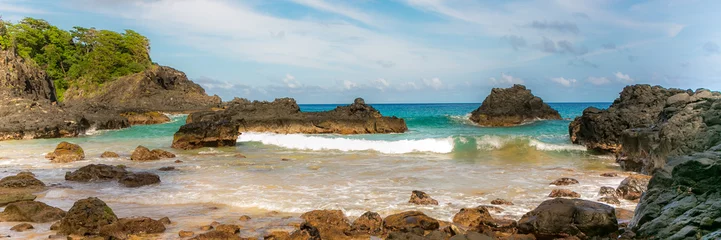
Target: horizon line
[430, 103]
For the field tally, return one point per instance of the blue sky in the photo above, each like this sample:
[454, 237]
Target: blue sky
[399, 51]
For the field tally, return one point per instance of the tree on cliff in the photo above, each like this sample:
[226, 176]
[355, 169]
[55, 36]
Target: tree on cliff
[82, 57]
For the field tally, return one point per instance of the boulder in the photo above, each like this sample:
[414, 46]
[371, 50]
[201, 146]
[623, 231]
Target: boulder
[332, 224]
[564, 182]
[31, 211]
[145, 118]
[407, 221]
[87, 217]
[22, 227]
[143, 154]
[130, 226]
[109, 155]
[607, 191]
[613, 200]
[473, 217]
[512, 106]
[96, 172]
[66, 152]
[21, 180]
[555, 193]
[561, 218]
[499, 201]
[201, 134]
[633, 186]
[369, 223]
[140, 179]
[421, 198]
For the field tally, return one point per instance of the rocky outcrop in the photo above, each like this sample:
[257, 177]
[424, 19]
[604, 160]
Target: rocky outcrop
[22, 80]
[216, 128]
[145, 118]
[31, 211]
[512, 106]
[562, 218]
[421, 198]
[683, 199]
[638, 106]
[66, 152]
[158, 88]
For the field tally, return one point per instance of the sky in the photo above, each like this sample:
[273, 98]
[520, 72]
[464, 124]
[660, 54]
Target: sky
[413, 51]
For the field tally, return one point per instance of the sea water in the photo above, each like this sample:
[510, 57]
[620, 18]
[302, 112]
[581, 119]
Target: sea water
[443, 153]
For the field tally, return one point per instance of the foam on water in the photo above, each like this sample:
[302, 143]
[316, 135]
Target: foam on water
[318, 143]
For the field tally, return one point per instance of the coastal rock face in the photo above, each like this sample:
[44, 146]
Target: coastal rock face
[560, 218]
[87, 217]
[683, 199]
[19, 79]
[31, 211]
[638, 106]
[145, 118]
[66, 152]
[216, 128]
[159, 88]
[512, 106]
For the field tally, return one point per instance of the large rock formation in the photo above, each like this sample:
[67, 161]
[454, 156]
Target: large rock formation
[217, 128]
[560, 218]
[683, 200]
[638, 106]
[512, 106]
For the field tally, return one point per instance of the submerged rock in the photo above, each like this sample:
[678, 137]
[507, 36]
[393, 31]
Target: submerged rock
[87, 217]
[22, 227]
[421, 198]
[512, 106]
[613, 200]
[66, 152]
[96, 172]
[145, 118]
[499, 201]
[564, 182]
[633, 186]
[31, 211]
[561, 218]
[140, 179]
[109, 155]
[144, 154]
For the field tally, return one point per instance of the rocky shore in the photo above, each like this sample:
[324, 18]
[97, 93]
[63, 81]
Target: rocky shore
[222, 128]
[512, 106]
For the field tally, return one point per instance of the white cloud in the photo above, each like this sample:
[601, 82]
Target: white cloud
[564, 81]
[434, 83]
[348, 85]
[290, 81]
[338, 8]
[598, 80]
[506, 79]
[625, 78]
[380, 84]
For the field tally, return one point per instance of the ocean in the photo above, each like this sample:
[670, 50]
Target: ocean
[443, 153]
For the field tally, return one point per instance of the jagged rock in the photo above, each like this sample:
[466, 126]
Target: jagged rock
[683, 199]
[140, 179]
[96, 172]
[633, 186]
[332, 224]
[66, 152]
[127, 226]
[560, 218]
[637, 107]
[499, 201]
[512, 106]
[31, 211]
[421, 198]
[145, 118]
[563, 193]
[22, 227]
[109, 155]
[87, 217]
[369, 223]
[193, 135]
[407, 221]
[564, 182]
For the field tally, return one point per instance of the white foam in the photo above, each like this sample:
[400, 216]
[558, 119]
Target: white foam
[316, 143]
[555, 147]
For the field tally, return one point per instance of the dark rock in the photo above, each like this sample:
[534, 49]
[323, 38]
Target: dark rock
[560, 218]
[21, 180]
[499, 201]
[96, 172]
[308, 232]
[555, 193]
[512, 106]
[564, 181]
[201, 134]
[610, 174]
[369, 223]
[22, 227]
[406, 221]
[31, 211]
[633, 186]
[145, 118]
[421, 198]
[109, 155]
[493, 208]
[607, 191]
[332, 224]
[128, 226]
[87, 217]
[165, 220]
[165, 169]
[140, 179]
[66, 152]
[473, 217]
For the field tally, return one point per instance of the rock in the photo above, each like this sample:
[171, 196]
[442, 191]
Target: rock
[143, 154]
[369, 223]
[216, 235]
[277, 235]
[87, 217]
[499, 201]
[7, 198]
[610, 174]
[21, 180]
[306, 232]
[178, 161]
[165, 169]
[206, 228]
[244, 218]
[623, 215]
[555, 193]
[185, 234]
[107, 154]
[560, 218]
[96, 172]
[564, 182]
[633, 186]
[682, 199]
[473, 217]
[66, 152]
[613, 200]
[512, 106]
[129, 226]
[492, 208]
[165, 220]
[31, 211]
[228, 228]
[637, 107]
[607, 191]
[421, 198]
[240, 155]
[406, 221]
[22, 227]
[145, 118]
[222, 133]
[162, 153]
[140, 179]
[332, 224]
[472, 236]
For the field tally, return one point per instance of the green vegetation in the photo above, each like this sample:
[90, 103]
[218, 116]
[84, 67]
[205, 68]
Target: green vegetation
[82, 57]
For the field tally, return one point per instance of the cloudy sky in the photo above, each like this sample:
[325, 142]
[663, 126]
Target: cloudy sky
[399, 51]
